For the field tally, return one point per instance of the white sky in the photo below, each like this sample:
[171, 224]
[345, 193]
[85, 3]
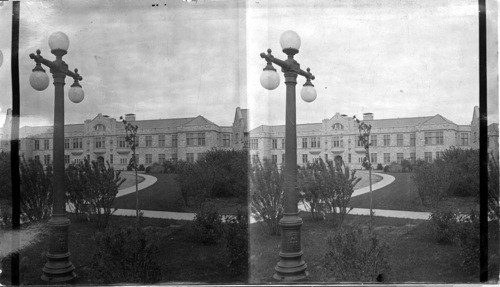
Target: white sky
[394, 58]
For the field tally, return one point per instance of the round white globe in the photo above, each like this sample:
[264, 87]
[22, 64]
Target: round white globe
[58, 40]
[39, 80]
[76, 94]
[308, 93]
[290, 40]
[269, 79]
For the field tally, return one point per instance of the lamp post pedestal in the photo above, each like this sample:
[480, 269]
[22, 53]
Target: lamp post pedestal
[291, 267]
[58, 267]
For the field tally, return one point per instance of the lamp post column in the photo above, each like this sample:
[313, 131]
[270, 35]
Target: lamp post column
[58, 267]
[291, 267]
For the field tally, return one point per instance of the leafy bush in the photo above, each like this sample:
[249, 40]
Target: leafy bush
[36, 190]
[126, 255]
[462, 171]
[218, 173]
[380, 166]
[266, 195]
[406, 165]
[356, 254]
[493, 182]
[207, 225]
[326, 189]
[236, 242]
[5, 176]
[141, 167]
[467, 238]
[386, 168]
[443, 226]
[169, 166]
[155, 168]
[393, 167]
[91, 190]
[431, 181]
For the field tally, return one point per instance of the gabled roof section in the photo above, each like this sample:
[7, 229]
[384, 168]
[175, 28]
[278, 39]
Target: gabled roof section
[199, 121]
[437, 120]
[241, 115]
[397, 123]
[281, 128]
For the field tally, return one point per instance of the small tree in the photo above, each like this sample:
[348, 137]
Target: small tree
[131, 139]
[36, 190]
[266, 194]
[493, 182]
[364, 138]
[430, 180]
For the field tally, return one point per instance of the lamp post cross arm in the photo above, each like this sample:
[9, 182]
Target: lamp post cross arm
[58, 66]
[289, 64]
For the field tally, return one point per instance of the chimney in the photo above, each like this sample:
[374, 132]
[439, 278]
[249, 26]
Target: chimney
[368, 117]
[130, 117]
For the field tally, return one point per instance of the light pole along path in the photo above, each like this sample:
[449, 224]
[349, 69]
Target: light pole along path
[291, 266]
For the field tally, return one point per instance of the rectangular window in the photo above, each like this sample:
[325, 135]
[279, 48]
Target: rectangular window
[349, 159]
[255, 158]
[373, 157]
[464, 139]
[149, 141]
[316, 160]
[77, 160]
[439, 154]
[399, 157]
[37, 144]
[161, 140]
[79, 143]
[99, 142]
[387, 158]
[304, 142]
[326, 157]
[359, 142]
[274, 144]
[274, 158]
[174, 140]
[304, 158]
[190, 157]
[254, 143]
[121, 142]
[66, 159]
[201, 139]
[433, 138]
[46, 159]
[428, 156]
[161, 158]
[226, 140]
[46, 144]
[123, 160]
[399, 139]
[174, 157]
[283, 158]
[412, 139]
[111, 159]
[336, 141]
[66, 143]
[37, 158]
[374, 140]
[319, 142]
[387, 140]
[282, 143]
[149, 158]
[412, 157]
[313, 142]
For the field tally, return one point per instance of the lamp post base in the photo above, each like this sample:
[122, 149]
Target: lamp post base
[58, 267]
[291, 267]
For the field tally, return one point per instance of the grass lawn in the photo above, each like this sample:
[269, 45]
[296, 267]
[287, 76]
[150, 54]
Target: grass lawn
[402, 194]
[183, 260]
[415, 257]
[165, 195]
[365, 178]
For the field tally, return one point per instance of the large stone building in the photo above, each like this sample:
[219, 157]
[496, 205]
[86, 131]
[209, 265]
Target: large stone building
[392, 140]
[103, 138]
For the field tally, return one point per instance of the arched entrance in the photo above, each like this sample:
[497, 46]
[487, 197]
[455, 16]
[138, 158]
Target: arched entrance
[338, 162]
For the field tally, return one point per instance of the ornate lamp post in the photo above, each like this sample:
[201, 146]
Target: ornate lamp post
[58, 267]
[291, 267]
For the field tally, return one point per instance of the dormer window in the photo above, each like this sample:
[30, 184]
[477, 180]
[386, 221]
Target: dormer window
[100, 127]
[338, 126]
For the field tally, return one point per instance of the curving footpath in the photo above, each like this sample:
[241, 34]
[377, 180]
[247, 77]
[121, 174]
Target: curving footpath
[386, 180]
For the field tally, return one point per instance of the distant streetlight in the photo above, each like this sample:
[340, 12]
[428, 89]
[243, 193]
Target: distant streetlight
[58, 267]
[291, 267]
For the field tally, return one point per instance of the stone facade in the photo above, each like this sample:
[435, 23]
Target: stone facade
[102, 138]
[392, 139]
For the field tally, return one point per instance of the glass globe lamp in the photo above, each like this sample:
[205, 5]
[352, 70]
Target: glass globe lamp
[39, 80]
[290, 42]
[308, 92]
[76, 93]
[58, 41]
[269, 79]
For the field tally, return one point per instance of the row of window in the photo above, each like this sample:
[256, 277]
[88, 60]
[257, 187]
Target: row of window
[373, 157]
[430, 138]
[192, 139]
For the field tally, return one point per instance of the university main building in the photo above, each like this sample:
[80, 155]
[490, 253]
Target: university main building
[392, 140]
